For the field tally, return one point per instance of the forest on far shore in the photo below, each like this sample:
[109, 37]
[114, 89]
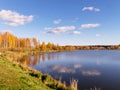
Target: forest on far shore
[11, 42]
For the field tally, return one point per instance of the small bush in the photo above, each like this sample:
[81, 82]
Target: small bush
[34, 74]
[44, 77]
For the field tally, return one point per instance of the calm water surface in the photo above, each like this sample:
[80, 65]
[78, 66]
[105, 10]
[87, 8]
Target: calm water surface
[93, 69]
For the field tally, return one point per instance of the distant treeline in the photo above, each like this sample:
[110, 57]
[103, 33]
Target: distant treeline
[98, 47]
[10, 41]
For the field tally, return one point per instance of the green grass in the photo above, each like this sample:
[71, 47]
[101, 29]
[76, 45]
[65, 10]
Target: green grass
[13, 77]
[17, 77]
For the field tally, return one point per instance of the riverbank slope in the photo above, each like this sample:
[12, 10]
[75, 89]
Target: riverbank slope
[14, 76]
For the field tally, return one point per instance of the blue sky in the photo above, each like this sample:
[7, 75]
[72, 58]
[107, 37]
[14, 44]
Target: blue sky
[64, 22]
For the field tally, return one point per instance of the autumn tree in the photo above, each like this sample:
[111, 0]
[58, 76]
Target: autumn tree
[34, 42]
[8, 40]
[49, 45]
[28, 43]
[43, 46]
[0, 40]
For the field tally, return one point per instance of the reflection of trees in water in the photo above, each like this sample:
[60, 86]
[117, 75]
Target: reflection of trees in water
[49, 57]
[38, 58]
[52, 56]
[30, 60]
[43, 57]
[35, 59]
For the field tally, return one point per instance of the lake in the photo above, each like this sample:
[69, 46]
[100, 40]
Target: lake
[94, 69]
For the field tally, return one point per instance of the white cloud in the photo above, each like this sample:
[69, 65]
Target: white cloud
[13, 18]
[91, 9]
[58, 30]
[88, 26]
[98, 35]
[76, 32]
[57, 21]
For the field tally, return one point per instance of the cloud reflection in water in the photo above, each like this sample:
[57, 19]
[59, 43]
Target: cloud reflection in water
[91, 72]
[76, 66]
[62, 69]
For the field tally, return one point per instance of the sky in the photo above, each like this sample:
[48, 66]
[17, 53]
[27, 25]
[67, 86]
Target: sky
[63, 22]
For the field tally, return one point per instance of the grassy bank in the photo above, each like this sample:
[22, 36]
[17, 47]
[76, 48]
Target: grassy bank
[14, 76]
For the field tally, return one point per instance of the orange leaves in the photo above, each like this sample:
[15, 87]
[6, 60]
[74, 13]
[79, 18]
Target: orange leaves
[8, 40]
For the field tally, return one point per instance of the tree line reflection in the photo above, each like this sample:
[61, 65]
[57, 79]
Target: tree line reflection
[33, 60]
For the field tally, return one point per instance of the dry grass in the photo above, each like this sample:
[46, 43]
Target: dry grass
[74, 84]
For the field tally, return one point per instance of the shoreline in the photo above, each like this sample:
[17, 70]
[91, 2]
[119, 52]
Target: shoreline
[12, 56]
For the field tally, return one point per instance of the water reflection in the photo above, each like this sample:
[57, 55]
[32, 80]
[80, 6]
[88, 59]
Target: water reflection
[94, 70]
[33, 60]
[62, 69]
[30, 60]
[77, 66]
[91, 73]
